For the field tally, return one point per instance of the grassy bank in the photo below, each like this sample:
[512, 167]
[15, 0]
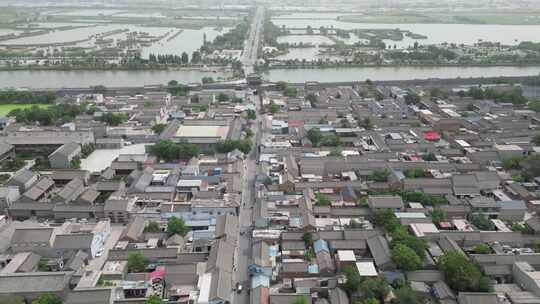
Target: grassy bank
[6, 108]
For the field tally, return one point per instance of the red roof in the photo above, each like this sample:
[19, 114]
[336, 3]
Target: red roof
[159, 273]
[432, 136]
[446, 225]
[296, 123]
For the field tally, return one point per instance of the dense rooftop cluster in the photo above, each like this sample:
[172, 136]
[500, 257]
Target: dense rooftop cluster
[313, 193]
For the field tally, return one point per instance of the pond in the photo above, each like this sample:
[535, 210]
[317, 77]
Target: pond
[188, 41]
[308, 54]
[305, 39]
[436, 33]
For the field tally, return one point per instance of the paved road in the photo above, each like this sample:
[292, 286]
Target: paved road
[97, 263]
[243, 252]
[251, 45]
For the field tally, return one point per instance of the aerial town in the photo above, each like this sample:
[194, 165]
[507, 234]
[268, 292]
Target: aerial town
[274, 193]
[177, 152]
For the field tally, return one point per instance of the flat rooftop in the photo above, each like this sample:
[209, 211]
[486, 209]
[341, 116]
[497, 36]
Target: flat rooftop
[203, 131]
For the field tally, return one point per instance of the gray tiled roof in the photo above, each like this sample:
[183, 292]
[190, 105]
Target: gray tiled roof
[66, 149]
[39, 188]
[221, 256]
[220, 285]
[226, 225]
[34, 282]
[73, 241]
[90, 296]
[32, 235]
[380, 251]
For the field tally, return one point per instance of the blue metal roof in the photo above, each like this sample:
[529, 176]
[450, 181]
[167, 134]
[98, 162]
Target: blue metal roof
[320, 245]
[260, 280]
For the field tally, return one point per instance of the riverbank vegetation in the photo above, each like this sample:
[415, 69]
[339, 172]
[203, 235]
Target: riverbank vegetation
[508, 18]
[53, 115]
[26, 97]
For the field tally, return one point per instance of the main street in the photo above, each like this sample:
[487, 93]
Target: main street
[251, 45]
[243, 252]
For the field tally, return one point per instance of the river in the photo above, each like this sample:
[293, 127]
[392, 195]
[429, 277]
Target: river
[394, 73]
[84, 79]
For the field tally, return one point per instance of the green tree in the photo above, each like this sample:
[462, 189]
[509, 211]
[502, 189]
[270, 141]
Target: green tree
[309, 254]
[353, 279]
[113, 119]
[368, 301]
[307, 238]
[273, 108]
[385, 218]
[482, 222]
[461, 274]
[366, 123]
[207, 79]
[375, 287]
[152, 227]
[136, 262]
[523, 228]
[322, 200]
[438, 215]
[290, 92]
[75, 163]
[43, 264]
[153, 299]
[438, 93]
[26, 97]
[158, 128]
[536, 140]
[312, 99]
[315, 136]
[222, 97]
[301, 300]
[531, 166]
[534, 105]
[429, 157]
[335, 153]
[412, 98]
[401, 236]
[331, 140]
[512, 163]
[379, 175]
[176, 226]
[53, 115]
[47, 299]
[170, 151]
[185, 58]
[415, 173]
[196, 58]
[226, 146]
[482, 249]
[251, 114]
[405, 258]
[282, 85]
[406, 295]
